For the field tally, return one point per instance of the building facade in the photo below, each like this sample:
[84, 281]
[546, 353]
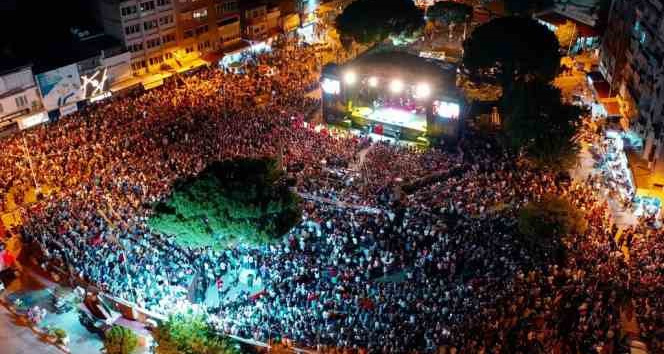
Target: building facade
[19, 97]
[632, 60]
[260, 20]
[146, 27]
[166, 35]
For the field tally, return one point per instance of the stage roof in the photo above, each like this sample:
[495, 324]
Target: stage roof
[408, 67]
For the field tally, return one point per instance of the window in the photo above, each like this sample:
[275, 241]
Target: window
[154, 42]
[1, 109]
[200, 14]
[135, 47]
[148, 25]
[156, 60]
[189, 33]
[189, 50]
[168, 38]
[163, 2]
[230, 6]
[203, 45]
[129, 10]
[133, 29]
[202, 29]
[168, 55]
[227, 21]
[147, 6]
[138, 65]
[165, 20]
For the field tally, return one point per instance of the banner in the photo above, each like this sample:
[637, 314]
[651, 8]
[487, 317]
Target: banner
[60, 87]
[94, 84]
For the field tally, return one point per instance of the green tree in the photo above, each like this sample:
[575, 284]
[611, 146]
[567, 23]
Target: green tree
[120, 340]
[566, 34]
[538, 123]
[450, 12]
[544, 222]
[229, 201]
[511, 49]
[372, 21]
[190, 334]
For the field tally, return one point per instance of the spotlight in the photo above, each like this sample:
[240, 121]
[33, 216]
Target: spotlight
[422, 90]
[350, 78]
[396, 86]
[373, 81]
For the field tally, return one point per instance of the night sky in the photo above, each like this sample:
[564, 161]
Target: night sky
[26, 24]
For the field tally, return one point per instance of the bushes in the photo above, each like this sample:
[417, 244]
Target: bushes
[120, 340]
[229, 201]
[544, 223]
[190, 334]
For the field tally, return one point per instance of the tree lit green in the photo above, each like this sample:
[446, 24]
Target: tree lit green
[190, 333]
[231, 201]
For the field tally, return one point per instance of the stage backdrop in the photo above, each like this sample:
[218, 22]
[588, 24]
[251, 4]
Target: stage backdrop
[60, 87]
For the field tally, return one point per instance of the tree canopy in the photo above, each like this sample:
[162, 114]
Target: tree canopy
[372, 21]
[450, 12]
[190, 333]
[120, 340]
[546, 221]
[566, 34]
[246, 199]
[510, 49]
[538, 123]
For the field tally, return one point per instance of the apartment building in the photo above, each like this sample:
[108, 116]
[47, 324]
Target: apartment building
[19, 97]
[146, 27]
[170, 34]
[204, 26]
[260, 20]
[632, 59]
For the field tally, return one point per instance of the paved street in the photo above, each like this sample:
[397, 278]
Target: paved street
[17, 339]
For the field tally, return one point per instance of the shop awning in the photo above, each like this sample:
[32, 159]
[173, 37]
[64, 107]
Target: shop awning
[557, 19]
[612, 108]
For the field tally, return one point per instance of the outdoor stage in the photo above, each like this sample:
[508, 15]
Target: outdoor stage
[392, 119]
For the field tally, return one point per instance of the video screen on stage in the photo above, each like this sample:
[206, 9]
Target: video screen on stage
[331, 86]
[443, 109]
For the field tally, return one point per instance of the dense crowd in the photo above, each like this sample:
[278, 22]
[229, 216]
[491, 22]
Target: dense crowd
[435, 265]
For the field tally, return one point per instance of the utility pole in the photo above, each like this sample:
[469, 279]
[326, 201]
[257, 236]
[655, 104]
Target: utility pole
[28, 156]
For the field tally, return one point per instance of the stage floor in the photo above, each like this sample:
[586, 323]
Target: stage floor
[393, 116]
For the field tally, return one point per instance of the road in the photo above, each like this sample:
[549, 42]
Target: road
[17, 339]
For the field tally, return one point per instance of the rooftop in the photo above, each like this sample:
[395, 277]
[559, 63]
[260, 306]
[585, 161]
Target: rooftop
[409, 67]
[63, 53]
[556, 18]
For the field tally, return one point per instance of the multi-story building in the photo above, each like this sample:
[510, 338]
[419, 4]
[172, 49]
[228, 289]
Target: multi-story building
[260, 20]
[227, 22]
[146, 27]
[171, 32]
[19, 97]
[633, 61]
[207, 25]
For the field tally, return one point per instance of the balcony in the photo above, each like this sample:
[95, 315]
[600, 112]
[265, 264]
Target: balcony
[256, 20]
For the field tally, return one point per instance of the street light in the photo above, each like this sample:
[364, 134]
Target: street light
[396, 86]
[373, 81]
[350, 78]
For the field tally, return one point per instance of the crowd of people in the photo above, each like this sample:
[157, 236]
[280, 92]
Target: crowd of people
[435, 265]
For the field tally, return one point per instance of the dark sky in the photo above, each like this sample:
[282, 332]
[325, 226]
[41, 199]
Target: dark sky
[26, 25]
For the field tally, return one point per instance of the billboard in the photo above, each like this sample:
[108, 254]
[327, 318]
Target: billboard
[94, 84]
[444, 109]
[60, 87]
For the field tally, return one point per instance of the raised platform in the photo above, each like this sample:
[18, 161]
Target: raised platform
[391, 118]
